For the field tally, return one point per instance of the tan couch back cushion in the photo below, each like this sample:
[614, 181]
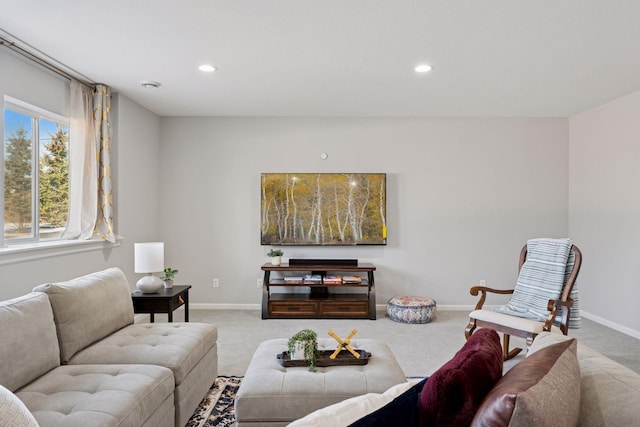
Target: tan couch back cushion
[28, 341]
[89, 308]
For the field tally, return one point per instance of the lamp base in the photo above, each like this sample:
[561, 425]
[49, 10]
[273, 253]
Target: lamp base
[149, 284]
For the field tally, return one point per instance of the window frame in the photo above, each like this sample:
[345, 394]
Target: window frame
[36, 113]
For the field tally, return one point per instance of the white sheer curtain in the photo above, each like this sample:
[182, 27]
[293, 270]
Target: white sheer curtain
[90, 209]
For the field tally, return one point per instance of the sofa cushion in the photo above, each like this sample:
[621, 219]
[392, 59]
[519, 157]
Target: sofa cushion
[100, 395]
[89, 308]
[609, 392]
[545, 339]
[188, 349]
[541, 390]
[27, 335]
[188, 394]
[515, 322]
[177, 346]
[13, 412]
[396, 406]
[454, 392]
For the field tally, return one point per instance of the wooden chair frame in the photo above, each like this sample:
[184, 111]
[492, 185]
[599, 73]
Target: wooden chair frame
[553, 306]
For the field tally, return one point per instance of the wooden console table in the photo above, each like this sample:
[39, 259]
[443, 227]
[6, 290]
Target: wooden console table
[319, 300]
[163, 301]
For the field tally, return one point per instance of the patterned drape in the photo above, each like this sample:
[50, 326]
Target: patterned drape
[90, 192]
[102, 122]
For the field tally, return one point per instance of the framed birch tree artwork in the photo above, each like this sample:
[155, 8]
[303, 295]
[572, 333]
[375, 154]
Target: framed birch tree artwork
[323, 209]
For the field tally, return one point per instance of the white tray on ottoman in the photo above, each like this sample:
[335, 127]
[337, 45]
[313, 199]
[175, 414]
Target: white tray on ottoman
[272, 395]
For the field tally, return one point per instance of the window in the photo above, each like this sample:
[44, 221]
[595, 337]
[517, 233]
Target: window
[36, 173]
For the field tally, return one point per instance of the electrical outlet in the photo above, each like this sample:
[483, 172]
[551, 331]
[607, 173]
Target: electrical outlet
[483, 282]
[216, 283]
[259, 283]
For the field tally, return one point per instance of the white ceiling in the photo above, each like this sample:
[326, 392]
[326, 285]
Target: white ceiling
[496, 58]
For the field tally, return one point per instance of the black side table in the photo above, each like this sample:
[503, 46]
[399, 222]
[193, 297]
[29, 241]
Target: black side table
[163, 301]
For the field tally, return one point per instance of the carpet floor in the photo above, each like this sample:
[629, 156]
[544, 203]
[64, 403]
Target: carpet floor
[419, 349]
[216, 409]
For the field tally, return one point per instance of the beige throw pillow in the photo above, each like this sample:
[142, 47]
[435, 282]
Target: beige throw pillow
[13, 412]
[542, 390]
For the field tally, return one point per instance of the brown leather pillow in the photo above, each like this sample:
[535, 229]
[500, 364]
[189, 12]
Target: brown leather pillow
[452, 395]
[542, 390]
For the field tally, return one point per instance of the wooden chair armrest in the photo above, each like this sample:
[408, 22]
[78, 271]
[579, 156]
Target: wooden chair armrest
[483, 290]
[553, 305]
[474, 290]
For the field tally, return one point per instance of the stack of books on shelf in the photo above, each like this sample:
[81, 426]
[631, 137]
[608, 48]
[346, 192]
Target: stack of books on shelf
[352, 279]
[332, 280]
[292, 280]
[312, 279]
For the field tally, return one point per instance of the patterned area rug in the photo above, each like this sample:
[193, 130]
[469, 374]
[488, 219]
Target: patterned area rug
[216, 409]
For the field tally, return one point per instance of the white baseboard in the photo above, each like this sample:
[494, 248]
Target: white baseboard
[379, 307]
[608, 323]
[467, 308]
[215, 306]
[382, 307]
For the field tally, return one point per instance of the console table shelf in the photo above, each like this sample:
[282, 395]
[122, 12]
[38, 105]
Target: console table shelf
[319, 300]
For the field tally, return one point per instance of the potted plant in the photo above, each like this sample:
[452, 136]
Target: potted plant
[305, 341]
[168, 275]
[276, 256]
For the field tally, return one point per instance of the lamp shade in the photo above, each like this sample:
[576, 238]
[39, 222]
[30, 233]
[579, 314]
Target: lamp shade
[149, 257]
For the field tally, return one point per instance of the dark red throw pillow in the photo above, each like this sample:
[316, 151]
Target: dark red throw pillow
[453, 394]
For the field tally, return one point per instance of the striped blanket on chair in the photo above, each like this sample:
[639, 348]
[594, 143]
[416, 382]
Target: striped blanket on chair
[542, 277]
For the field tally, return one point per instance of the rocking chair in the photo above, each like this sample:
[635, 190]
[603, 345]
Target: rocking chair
[503, 321]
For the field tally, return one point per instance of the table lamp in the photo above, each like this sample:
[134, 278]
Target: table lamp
[149, 258]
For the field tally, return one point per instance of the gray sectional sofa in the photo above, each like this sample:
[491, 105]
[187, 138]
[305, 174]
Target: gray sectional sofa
[72, 354]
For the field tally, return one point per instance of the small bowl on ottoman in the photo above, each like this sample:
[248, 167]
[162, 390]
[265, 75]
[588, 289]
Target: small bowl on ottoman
[411, 309]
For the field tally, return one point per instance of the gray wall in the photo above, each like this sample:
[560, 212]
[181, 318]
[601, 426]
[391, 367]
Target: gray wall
[135, 152]
[604, 209]
[23, 80]
[464, 195]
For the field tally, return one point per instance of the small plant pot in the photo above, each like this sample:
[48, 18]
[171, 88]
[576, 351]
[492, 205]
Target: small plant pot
[298, 351]
[304, 346]
[168, 284]
[276, 260]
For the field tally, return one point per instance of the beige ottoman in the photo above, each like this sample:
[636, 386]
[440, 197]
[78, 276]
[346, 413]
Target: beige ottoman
[271, 395]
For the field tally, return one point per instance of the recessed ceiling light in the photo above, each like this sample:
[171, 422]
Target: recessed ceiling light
[148, 84]
[423, 68]
[207, 68]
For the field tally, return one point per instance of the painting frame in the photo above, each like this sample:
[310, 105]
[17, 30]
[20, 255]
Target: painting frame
[323, 209]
